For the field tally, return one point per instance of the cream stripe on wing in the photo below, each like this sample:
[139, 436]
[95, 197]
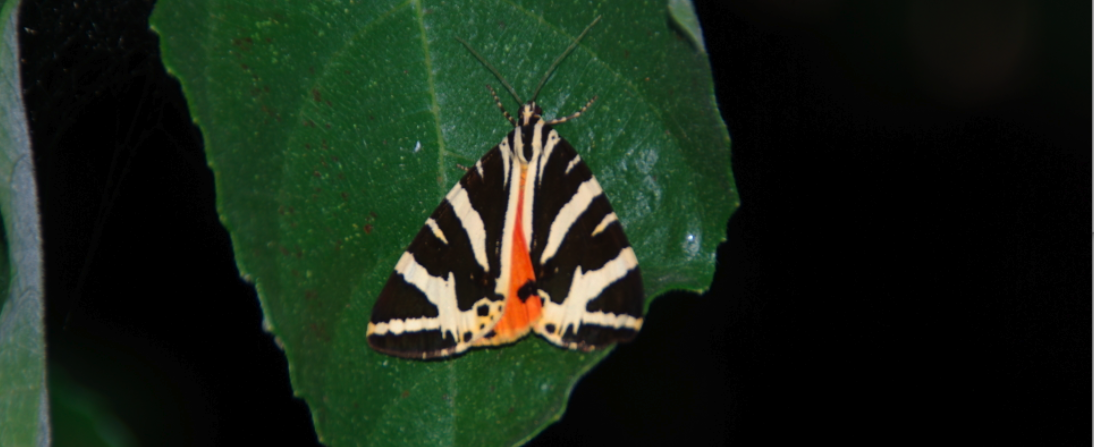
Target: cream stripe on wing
[440, 292]
[552, 141]
[591, 284]
[437, 233]
[585, 287]
[614, 321]
[574, 162]
[506, 152]
[397, 326]
[526, 212]
[569, 213]
[471, 221]
[604, 223]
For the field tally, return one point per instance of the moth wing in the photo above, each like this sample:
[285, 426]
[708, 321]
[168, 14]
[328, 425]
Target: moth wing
[440, 297]
[586, 271]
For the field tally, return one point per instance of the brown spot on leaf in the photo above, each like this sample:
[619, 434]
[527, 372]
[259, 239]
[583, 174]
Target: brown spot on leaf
[368, 228]
[405, 394]
[319, 331]
[243, 44]
[316, 96]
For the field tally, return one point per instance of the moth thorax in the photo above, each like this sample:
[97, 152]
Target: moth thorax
[527, 142]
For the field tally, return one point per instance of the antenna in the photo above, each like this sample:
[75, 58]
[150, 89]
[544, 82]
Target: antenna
[493, 70]
[563, 55]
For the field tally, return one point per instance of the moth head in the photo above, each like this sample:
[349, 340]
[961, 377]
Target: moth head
[530, 113]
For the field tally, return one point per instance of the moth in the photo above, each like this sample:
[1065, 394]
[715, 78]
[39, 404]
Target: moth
[526, 241]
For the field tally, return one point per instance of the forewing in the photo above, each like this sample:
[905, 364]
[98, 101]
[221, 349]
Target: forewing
[586, 271]
[440, 297]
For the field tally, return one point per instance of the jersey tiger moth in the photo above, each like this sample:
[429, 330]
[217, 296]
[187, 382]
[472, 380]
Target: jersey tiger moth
[526, 241]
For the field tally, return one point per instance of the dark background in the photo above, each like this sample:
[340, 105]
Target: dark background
[911, 261]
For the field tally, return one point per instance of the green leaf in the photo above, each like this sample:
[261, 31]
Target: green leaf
[24, 406]
[683, 13]
[335, 128]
